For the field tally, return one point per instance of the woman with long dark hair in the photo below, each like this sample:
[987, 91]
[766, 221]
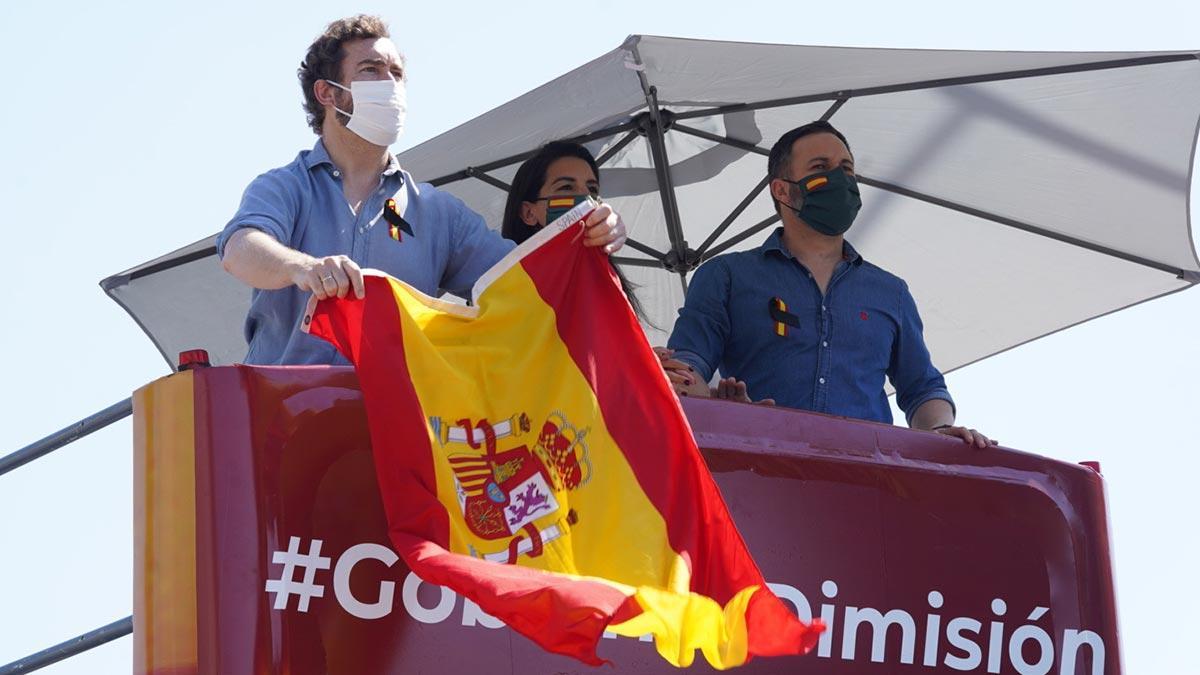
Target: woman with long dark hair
[559, 169]
[565, 169]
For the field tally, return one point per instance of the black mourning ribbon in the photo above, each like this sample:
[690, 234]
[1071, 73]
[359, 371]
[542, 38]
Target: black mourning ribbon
[785, 318]
[394, 218]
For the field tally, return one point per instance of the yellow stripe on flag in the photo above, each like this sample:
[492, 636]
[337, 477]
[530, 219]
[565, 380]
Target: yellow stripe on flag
[621, 542]
[472, 379]
[684, 622]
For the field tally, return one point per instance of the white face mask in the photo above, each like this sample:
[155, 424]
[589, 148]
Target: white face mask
[379, 109]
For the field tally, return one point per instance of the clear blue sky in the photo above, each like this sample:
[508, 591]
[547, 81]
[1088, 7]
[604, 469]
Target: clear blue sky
[132, 129]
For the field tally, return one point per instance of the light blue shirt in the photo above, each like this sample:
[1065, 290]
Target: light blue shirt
[302, 206]
[864, 328]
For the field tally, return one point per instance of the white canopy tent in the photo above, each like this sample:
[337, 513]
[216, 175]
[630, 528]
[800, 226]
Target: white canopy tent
[1017, 193]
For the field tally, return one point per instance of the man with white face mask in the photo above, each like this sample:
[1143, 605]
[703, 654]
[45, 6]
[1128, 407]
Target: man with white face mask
[346, 204]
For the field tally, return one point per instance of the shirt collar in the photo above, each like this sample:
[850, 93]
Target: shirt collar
[775, 243]
[393, 166]
[319, 155]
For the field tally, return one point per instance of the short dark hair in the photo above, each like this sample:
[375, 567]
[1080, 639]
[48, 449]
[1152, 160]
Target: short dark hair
[324, 58]
[781, 152]
[528, 182]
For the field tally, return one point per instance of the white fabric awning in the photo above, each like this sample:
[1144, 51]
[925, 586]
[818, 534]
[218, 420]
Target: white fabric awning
[1018, 193]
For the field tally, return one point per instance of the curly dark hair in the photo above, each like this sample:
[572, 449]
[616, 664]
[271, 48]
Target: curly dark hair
[324, 58]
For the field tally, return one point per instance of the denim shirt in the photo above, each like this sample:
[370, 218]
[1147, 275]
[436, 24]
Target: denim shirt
[863, 329]
[302, 206]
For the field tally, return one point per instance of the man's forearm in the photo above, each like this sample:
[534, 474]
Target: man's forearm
[257, 259]
[933, 413]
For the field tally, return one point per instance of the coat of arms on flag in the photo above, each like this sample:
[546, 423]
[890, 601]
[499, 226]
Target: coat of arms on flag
[532, 457]
[502, 493]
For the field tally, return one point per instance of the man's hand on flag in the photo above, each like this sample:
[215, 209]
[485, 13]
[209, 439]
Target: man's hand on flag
[333, 276]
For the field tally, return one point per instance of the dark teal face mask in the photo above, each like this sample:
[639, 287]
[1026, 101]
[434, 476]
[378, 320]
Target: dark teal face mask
[831, 201]
[558, 205]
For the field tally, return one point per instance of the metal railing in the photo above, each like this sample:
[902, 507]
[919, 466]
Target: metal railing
[75, 645]
[68, 434]
[41, 448]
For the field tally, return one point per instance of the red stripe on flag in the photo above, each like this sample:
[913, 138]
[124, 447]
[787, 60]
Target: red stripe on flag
[627, 381]
[559, 613]
[604, 340]
[368, 332]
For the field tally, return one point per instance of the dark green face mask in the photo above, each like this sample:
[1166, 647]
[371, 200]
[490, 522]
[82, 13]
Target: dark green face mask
[558, 205]
[831, 201]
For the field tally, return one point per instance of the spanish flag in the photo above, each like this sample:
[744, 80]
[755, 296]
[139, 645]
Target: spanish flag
[532, 457]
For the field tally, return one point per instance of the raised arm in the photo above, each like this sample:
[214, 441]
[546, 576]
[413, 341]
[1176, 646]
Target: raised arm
[259, 260]
[253, 246]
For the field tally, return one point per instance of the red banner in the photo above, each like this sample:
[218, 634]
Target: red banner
[262, 544]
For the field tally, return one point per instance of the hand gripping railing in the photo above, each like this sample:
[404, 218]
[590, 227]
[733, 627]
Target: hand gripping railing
[40, 448]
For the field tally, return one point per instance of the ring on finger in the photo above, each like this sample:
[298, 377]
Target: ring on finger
[327, 278]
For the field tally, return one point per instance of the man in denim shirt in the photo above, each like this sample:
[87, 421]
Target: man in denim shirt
[804, 319]
[311, 226]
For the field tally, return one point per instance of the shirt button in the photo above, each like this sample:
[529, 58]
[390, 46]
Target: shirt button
[336, 173]
[824, 343]
[821, 380]
[823, 308]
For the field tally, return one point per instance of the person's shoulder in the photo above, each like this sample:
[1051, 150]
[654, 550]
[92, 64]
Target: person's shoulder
[292, 174]
[430, 194]
[881, 275]
[736, 262]
[442, 205]
[885, 284]
[723, 270]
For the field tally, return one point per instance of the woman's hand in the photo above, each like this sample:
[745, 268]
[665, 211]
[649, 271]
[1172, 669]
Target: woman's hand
[604, 227]
[684, 379]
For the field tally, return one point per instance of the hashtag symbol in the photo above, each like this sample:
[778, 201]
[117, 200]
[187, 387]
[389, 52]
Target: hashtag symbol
[286, 585]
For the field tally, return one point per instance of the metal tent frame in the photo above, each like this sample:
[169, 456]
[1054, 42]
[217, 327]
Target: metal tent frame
[655, 122]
